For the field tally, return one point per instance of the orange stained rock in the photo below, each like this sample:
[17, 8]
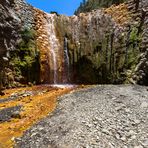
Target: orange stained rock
[119, 13]
[34, 108]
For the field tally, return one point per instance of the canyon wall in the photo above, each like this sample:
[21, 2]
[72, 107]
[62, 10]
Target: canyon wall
[9, 24]
[18, 51]
[102, 46]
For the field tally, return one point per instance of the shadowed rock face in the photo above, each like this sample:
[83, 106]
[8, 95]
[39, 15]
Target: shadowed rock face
[9, 23]
[16, 17]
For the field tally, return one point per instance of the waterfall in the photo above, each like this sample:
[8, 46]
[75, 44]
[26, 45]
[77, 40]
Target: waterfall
[66, 62]
[54, 47]
[59, 65]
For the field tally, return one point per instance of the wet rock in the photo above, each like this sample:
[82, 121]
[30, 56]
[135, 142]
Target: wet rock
[16, 114]
[7, 113]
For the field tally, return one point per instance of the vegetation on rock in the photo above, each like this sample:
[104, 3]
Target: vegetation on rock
[88, 5]
[25, 60]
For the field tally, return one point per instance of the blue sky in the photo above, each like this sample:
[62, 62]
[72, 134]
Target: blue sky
[61, 6]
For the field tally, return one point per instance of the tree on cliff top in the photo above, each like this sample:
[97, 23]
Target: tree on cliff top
[88, 5]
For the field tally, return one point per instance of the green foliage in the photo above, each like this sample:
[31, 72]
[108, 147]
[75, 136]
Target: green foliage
[133, 35]
[26, 59]
[54, 12]
[89, 5]
[27, 35]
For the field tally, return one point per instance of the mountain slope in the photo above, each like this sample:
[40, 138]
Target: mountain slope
[88, 5]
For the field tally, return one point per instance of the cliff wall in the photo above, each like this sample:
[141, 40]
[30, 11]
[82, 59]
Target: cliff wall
[102, 46]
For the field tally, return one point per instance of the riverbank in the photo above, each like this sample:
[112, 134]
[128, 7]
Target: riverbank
[104, 116]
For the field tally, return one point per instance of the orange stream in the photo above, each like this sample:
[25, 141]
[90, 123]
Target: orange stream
[34, 108]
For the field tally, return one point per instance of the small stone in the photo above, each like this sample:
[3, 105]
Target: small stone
[105, 131]
[114, 98]
[13, 138]
[117, 136]
[130, 133]
[33, 134]
[133, 137]
[120, 107]
[17, 139]
[123, 138]
[137, 121]
[145, 143]
[144, 105]
[111, 145]
[16, 114]
[127, 110]
[89, 125]
[95, 122]
[119, 101]
[83, 122]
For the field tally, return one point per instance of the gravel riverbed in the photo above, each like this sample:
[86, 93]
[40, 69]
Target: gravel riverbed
[104, 116]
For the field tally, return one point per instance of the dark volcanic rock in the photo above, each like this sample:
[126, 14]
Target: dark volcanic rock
[9, 24]
[8, 113]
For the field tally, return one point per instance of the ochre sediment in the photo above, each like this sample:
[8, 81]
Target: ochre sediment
[33, 109]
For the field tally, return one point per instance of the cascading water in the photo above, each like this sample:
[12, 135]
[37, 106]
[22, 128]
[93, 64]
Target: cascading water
[59, 67]
[66, 62]
[54, 47]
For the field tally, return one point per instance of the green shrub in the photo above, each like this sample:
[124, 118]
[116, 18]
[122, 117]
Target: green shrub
[25, 60]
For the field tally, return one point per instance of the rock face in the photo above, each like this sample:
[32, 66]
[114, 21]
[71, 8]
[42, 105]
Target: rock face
[101, 46]
[26, 13]
[9, 23]
[18, 53]
[141, 71]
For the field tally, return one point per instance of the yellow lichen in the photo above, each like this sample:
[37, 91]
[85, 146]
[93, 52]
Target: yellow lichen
[119, 13]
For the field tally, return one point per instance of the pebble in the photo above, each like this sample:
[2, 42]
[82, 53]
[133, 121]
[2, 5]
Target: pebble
[105, 131]
[120, 107]
[16, 114]
[144, 105]
[123, 138]
[137, 121]
[117, 136]
[145, 143]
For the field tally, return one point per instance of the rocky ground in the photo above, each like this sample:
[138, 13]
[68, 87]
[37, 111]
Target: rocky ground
[98, 117]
